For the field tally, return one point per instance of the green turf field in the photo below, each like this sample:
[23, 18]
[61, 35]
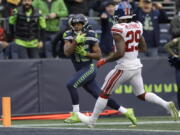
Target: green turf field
[160, 124]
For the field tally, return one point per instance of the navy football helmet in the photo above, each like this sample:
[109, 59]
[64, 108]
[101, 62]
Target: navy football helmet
[123, 11]
[78, 18]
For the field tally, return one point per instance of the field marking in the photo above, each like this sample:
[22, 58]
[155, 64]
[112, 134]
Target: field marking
[98, 123]
[100, 129]
[49, 126]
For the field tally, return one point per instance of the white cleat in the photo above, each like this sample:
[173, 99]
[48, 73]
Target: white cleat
[173, 111]
[85, 119]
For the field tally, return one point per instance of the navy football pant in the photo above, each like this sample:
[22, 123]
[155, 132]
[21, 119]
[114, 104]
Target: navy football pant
[86, 78]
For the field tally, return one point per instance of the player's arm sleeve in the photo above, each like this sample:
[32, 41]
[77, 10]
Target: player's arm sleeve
[12, 19]
[69, 44]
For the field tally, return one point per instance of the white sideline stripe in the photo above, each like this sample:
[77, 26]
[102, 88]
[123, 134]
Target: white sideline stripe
[100, 129]
[99, 123]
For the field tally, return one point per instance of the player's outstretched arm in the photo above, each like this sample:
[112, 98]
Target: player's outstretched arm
[69, 47]
[120, 48]
[142, 47]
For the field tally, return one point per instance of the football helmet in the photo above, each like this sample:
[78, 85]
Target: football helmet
[78, 18]
[123, 11]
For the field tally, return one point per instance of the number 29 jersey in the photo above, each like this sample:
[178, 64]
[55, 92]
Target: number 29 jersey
[131, 33]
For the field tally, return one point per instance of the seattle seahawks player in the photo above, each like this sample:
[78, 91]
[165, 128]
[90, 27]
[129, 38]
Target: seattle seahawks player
[81, 45]
[127, 35]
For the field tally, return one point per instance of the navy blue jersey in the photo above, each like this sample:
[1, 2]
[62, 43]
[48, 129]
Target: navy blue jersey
[78, 60]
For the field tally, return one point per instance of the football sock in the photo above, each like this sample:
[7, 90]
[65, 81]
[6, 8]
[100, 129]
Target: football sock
[153, 98]
[94, 90]
[75, 108]
[122, 109]
[99, 107]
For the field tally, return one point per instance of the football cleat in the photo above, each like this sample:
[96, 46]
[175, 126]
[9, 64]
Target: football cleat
[130, 115]
[72, 119]
[86, 119]
[173, 111]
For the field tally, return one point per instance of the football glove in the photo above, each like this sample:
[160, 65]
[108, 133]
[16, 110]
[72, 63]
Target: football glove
[100, 62]
[80, 38]
[81, 50]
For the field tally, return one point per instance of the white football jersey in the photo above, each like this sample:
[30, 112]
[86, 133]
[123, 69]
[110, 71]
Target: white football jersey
[131, 33]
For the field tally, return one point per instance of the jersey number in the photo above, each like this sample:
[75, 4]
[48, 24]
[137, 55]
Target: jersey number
[134, 37]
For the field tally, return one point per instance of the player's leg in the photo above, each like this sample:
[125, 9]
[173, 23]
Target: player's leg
[79, 78]
[102, 100]
[111, 83]
[138, 89]
[74, 98]
[93, 88]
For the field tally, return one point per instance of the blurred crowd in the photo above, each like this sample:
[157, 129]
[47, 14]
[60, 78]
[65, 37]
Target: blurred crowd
[41, 36]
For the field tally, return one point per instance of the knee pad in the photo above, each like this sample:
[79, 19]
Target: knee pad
[142, 96]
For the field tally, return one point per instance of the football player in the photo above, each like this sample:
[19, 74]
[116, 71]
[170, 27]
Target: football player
[127, 35]
[81, 45]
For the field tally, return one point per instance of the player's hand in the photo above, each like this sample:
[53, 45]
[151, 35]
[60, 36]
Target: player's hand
[80, 38]
[100, 62]
[81, 50]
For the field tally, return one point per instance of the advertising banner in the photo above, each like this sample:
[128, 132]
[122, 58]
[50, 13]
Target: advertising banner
[39, 86]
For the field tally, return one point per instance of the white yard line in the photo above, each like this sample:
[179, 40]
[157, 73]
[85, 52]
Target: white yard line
[100, 129]
[98, 123]
[48, 126]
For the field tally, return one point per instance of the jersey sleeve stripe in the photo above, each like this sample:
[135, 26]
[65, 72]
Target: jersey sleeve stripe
[116, 30]
[68, 38]
[92, 39]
